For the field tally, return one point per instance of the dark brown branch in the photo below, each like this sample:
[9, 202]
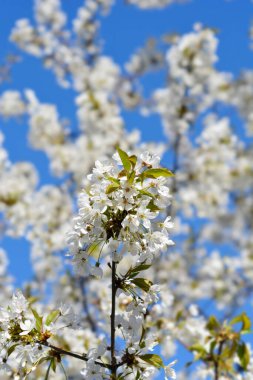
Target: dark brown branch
[114, 289]
[69, 353]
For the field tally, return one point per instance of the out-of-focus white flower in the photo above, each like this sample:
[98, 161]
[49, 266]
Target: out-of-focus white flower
[169, 371]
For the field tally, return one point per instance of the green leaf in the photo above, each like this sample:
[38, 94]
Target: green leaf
[122, 173]
[244, 332]
[243, 355]
[142, 283]
[123, 375]
[156, 173]
[153, 359]
[212, 323]
[11, 349]
[32, 300]
[138, 375]
[48, 370]
[143, 332]
[212, 346]
[131, 177]
[152, 207]
[199, 349]
[38, 362]
[114, 180]
[179, 315]
[136, 270]
[41, 360]
[133, 160]
[94, 249]
[52, 317]
[111, 188]
[125, 159]
[120, 376]
[53, 364]
[246, 323]
[145, 192]
[38, 320]
[229, 351]
[244, 319]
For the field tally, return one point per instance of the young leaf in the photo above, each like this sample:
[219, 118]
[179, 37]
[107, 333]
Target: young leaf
[111, 188]
[38, 320]
[145, 192]
[229, 351]
[94, 249]
[142, 337]
[244, 319]
[152, 207]
[212, 323]
[138, 375]
[243, 355]
[153, 359]
[53, 364]
[156, 173]
[199, 349]
[136, 270]
[32, 300]
[122, 173]
[11, 349]
[113, 180]
[125, 159]
[36, 364]
[48, 370]
[142, 283]
[131, 177]
[244, 332]
[212, 346]
[133, 160]
[52, 317]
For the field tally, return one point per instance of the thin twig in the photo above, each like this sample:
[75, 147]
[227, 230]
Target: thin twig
[216, 363]
[69, 353]
[114, 289]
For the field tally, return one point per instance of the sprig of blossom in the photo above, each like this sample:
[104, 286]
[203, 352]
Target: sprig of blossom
[149, 4]
[124, 207]
[124, 203]
[25, 334]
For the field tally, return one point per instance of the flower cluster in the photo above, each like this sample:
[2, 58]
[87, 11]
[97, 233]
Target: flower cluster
[122, 204]
[26, 335]
[215, 169]
[11, 104]
[148, 4]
